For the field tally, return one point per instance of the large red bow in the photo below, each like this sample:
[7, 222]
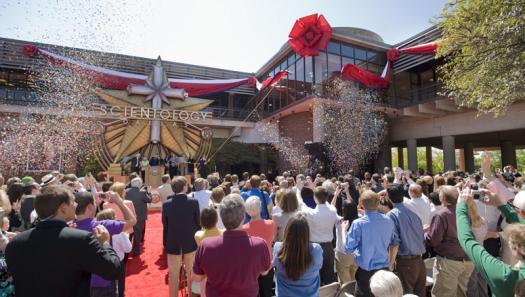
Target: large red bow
[309, 35]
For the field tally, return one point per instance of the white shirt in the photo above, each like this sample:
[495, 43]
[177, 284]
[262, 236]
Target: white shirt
[121, 244]
[203, 197]
[321, 220]
[490, 213]
[421, 207]
[165, 191]
[340, 236]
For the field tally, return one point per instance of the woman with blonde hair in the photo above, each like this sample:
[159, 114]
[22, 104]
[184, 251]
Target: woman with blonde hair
[215, 199]
[119, 189]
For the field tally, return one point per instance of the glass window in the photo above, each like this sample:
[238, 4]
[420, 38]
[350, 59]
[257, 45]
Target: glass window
[291, 59]
[427, 77]
[309, 74]
[375, 68]
[284, 66]
[347, 51]
[347, 61]
[299, 78]
[334, 64]
[334, 48]
[360, 53]
[376, 57]
[321, 68]
[361, 64]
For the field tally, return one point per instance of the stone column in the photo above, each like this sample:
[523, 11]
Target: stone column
[449, 153]
[400, 159]
[461, 160]
[412, 154]
[508, 154]
[469, 157]
[428, 153]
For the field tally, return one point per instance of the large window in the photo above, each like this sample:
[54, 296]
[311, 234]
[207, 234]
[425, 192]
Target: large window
[304, 73]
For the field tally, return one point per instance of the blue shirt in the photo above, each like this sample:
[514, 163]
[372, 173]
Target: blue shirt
[264, 211]
[369, 239]
[308, 284]
[408, 229]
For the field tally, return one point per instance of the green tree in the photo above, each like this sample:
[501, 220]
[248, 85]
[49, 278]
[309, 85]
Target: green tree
[483, 46]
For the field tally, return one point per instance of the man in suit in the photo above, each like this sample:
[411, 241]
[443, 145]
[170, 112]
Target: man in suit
[140, 199]
[180, 220]
[135, 163]
[54, 260]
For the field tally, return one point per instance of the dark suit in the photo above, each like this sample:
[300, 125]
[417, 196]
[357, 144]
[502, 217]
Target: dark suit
[135, 164]
[180, 220]
[140, 201]
[26, 207]
[54, 260]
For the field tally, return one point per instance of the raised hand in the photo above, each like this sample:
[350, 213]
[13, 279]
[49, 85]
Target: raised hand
[485, 164]
[101, 234]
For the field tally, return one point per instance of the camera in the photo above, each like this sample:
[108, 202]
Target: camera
[477, 194]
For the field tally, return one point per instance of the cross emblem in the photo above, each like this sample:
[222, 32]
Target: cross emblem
[157, 90]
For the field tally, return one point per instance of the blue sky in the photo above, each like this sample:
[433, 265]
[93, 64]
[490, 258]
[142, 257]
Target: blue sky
[232, 34]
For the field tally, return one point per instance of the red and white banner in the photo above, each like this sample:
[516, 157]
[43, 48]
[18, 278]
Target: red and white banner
[272, 80]
[117, 80]
[420, 49]
[372, 80]
[367, 78]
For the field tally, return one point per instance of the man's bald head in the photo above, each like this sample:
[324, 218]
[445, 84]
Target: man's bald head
[415, 191]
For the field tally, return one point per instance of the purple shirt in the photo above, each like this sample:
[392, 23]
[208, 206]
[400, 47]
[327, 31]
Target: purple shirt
[114, 227]
[443, 236]
[232, 263]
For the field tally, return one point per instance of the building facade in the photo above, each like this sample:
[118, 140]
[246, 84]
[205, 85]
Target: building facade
[418, 115]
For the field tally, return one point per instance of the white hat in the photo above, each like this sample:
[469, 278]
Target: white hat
[519, 200]
[47, 179]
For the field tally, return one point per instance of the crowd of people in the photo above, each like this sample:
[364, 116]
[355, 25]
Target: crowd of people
[288, 236]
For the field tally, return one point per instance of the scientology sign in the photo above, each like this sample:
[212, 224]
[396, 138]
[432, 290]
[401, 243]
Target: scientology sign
[149, 113]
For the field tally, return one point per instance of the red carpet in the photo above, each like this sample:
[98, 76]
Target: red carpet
[147, 275]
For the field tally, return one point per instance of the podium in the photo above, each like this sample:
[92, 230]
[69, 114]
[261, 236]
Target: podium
[154, 176]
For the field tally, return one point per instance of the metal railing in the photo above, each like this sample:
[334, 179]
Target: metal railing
[417, 95]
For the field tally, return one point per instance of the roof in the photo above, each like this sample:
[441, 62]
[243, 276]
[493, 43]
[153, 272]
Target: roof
[12, 57]
[409, 61]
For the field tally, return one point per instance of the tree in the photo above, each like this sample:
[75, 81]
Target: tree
[483, 47]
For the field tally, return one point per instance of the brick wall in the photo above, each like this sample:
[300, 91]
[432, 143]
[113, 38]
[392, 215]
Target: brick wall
[298, 127]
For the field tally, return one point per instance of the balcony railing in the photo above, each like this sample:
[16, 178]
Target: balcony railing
[221, 113]
[417, 95]
[18, 97]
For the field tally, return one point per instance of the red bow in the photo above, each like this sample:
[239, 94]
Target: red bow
[309, 35]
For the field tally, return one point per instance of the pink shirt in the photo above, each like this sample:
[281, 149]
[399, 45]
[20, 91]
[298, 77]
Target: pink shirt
[264, 229]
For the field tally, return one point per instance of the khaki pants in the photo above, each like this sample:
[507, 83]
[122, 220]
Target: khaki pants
[451, 277]
[174, 264]
[345, 267]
